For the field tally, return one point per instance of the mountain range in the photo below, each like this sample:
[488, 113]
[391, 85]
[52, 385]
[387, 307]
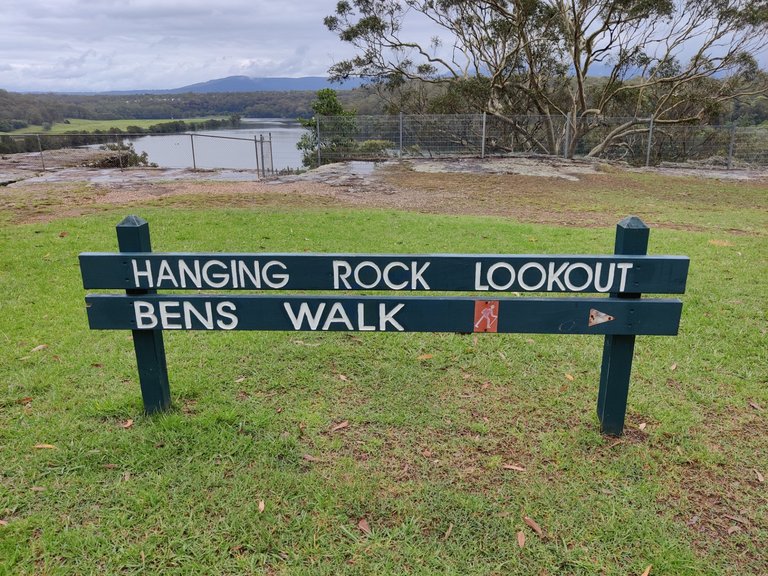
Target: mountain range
[248, 84]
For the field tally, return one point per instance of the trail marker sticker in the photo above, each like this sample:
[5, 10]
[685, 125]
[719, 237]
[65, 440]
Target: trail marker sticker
[596, 317]
[617, 312]
[486, 316]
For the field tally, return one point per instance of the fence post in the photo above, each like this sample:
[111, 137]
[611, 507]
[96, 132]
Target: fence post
[256, 149]
[631, 239]
[730, 146]
[400, 151]
[317, 122]
[271, 156]
[482, 142]
[194, 162]
[650, 143]
[40, 147]
[133, 236]
[263, 167]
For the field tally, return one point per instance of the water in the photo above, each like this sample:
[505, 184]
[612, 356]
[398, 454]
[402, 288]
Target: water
[218, 151]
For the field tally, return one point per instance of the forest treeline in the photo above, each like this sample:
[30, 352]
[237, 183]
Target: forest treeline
[17, 111]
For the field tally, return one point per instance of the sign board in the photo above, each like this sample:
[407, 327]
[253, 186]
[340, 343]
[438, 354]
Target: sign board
[618, 312]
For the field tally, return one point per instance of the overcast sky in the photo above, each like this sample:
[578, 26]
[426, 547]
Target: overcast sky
[98, 45]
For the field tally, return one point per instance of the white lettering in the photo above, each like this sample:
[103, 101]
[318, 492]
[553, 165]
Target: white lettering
[338, 277]
[144, 313]
[492, 270]
[578, 266]
[217, 280]
[193, 275]
[554, 276]
[243, 271]
[227, 309]
[304, 314]
[337, 314]
[416, 276]
[598, 272]
[190, 310]
[478, 277]
[521, 276]
[624, 267]
[165, 273]
[147, 273]
[361, 319]
[166, 315]
[388, 280]
[275, 280]
[388, 317]
[373, 267]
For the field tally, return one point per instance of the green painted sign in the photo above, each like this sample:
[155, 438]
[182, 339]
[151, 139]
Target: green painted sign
[619, 317]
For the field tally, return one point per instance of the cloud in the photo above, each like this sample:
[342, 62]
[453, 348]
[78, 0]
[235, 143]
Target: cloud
[125, 44]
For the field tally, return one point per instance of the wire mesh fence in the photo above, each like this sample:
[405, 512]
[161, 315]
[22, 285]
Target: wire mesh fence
[637, 141]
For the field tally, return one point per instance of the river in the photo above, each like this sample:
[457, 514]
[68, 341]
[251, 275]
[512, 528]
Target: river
[220, 149]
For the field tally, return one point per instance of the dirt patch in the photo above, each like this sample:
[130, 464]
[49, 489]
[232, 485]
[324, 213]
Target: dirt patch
[540, 190]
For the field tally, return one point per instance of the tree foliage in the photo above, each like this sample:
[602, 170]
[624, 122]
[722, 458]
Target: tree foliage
[319, 147]
[582, 60]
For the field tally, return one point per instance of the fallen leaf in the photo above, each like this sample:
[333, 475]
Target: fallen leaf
[674, 366]
[342, 377]
[39, 348]
[38, 488]
[340, 426]
[514, 467]
[760, 477]
[63, 234]
[44, 446]
[424, 357]
[448, 532]
[533, 525]
[127, 424]
[739, 519]
[239, 380]
[97, 365]
[569, 377]
[109, 466]
[310, 458]
[642, 426]
[756, 406]
[126, 476]
[521, 538]
[733, 530]
[261, 506]
[647, 570]
[25, 400]
[364, 527]
[3, 522]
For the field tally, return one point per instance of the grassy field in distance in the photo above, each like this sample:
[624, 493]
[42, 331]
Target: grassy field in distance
[349, 453]
[80, 125]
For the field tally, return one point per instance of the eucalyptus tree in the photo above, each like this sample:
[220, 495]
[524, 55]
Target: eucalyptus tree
[579, 60]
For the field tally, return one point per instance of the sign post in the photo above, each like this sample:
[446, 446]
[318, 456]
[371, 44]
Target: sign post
[133, 236]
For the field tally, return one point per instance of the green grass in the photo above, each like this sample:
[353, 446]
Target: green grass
[422, 459]
[80, 126]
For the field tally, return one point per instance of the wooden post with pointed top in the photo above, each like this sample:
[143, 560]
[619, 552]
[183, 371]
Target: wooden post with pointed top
[631, 239]
[133, 236]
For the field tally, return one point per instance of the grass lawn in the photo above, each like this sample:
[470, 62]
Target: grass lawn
[79, 125]
[306, 453]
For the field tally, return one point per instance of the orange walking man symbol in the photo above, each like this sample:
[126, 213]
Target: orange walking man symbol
[486, 316]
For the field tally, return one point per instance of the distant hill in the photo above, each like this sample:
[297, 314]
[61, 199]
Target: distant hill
[248, 84]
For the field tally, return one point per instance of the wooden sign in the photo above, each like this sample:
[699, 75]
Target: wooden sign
[619, 315]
